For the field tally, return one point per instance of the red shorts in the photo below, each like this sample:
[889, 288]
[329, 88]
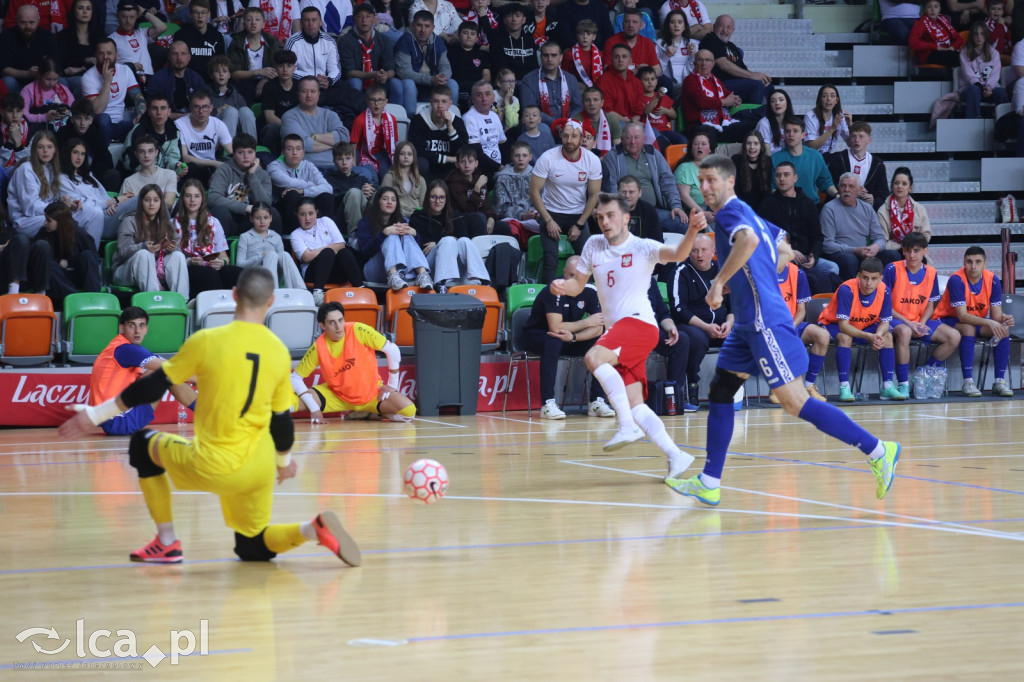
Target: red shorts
[633, 341]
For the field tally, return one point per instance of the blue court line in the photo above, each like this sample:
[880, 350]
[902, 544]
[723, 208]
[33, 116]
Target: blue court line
[501, 545]
[894, 632]
[43, 664]
[711, 621]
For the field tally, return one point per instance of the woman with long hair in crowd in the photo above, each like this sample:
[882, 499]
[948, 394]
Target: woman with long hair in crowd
[980, 70]
[676, 50]
[901, 214]
[323, 255]
[388, 243]
[35, 184]
[404, 176]
[780, 107]
[826, 123]
[91, 206]
[148, 254]
[203, 242]
[451, 254]
[702, 144]
[754, 170]
[75, 264]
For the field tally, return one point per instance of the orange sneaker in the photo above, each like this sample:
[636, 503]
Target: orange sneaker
[156, 553]
[815, 393]
[331, 535]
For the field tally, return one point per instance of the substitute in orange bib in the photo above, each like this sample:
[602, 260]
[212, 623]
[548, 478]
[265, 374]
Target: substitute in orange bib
[123, 361]
[346, 354]
[861, 311]
[796, 291]
[973, 303]
[915, 292]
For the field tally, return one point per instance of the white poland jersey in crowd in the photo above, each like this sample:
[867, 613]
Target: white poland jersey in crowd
[565, 181]
[623, 276]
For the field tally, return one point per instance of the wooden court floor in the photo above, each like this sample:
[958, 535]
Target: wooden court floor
[547, 560]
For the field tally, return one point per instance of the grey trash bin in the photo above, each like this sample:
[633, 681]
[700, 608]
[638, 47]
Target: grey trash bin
[447, 329]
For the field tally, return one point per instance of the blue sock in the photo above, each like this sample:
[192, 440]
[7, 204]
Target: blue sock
[933, 362]
[903, 372]
[721, 418]
[887, 362]
[843, 363]
[192, 406]
[1001, 355]
[814, 364]
[967, 356]
[833, 421]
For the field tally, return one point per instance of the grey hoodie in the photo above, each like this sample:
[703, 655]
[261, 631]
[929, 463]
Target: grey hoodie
[235, 189]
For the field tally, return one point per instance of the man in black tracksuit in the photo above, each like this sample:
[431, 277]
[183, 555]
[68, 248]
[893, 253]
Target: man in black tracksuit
[437, 133]
[513, 48]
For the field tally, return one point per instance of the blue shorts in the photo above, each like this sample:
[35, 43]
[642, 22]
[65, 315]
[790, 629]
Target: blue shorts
[777, 353]
[833, 331]
[127, 423]
[927, 338]
[801, 327]
[953, 322]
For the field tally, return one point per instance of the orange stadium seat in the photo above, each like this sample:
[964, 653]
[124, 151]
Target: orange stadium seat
[399, 321]
[27, 329]
[360, 304]
[494, 322]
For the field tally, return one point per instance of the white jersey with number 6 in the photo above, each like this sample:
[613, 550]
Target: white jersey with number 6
[623, 276]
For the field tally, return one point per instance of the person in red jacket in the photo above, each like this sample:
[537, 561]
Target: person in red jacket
[933, 40]
[622, 90]
[705, 102]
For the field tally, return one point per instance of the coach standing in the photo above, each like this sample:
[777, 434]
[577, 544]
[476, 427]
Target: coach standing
[564, 189]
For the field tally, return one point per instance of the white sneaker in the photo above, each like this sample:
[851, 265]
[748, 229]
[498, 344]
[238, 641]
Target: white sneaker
[623, 437]
[999, 388]
[970, 390]
[599, 408]
[678, 463]
[551, 410]
[396, 282]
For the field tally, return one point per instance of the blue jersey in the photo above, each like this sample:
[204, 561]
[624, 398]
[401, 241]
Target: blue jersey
[757, 302]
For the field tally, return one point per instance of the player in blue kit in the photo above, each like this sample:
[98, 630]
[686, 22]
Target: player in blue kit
[763, 339]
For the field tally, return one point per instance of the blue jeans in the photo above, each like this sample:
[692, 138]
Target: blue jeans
[113, 131]
[972, 97]
[669, 223]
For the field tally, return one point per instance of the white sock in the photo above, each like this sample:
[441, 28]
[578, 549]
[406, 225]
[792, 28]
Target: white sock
[14, 288]
[844, 384]
[878, 451]
[886, 384]
[308, 530]
[710, 482]
[615, 389]
[165, 531]
[653, 428]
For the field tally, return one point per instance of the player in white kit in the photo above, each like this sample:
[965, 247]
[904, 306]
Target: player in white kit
[622, 265]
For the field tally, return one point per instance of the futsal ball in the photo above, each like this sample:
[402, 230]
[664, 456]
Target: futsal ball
[426, 481]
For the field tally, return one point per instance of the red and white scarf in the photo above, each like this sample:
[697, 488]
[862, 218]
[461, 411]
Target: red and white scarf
[367, 60]
[717, 116]
[279, 28]
[902, 220]
[940, 29]
[388, 130]
[58, 16]
[475, 18]
[4, 131]
[191, 247]
[694, 9]
[545, 96]
[596, 64]
[604, 134]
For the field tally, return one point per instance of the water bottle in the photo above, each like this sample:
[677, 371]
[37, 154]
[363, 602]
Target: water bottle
[182, 416]
[938, 385]
[921, 387]
[670, 400]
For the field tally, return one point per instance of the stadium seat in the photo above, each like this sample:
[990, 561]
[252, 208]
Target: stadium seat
[292, 317]
[663, 289]
[492, 333]
[90, 322]
[485, 242]
[232, 249]
[517, 354]
[674, 153]
[213, 308]
[521, 296]
[108, 270]
[360, 305]
[671, 238]
[28, 329]
[535, 252]
[168, 320]
[814, 308]
[401, 118]
[399, 320]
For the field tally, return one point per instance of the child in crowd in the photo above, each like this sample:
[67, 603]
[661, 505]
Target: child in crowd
[13, 135]
[228, 104]
[486, 23]
[279, 95]
[354, 184]
[261, 246]
[933, 40]
[375, 132]
[468, 188]
[293, 178]
[584, 59]
[658, 109]
[406, 180]
[469, 61]
[49, 102]
[537, 137]
[999, 36]
[511, 189]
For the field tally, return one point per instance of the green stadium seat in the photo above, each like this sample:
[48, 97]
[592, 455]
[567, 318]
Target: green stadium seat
[90, 322]
[108, 270]
[534, 254]
[168, 320]
[521, 296]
